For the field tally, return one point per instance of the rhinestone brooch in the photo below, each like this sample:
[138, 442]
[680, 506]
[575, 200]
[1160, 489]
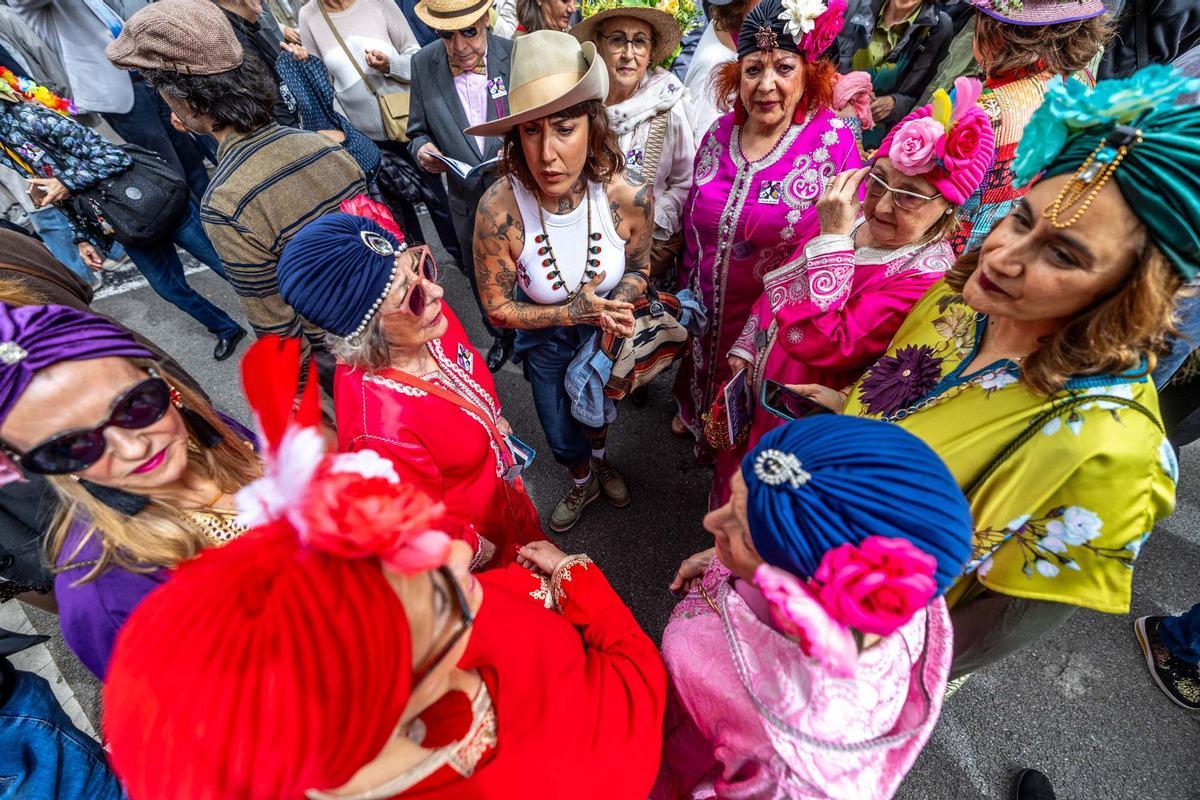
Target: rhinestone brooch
[775, 468]
[12, 353]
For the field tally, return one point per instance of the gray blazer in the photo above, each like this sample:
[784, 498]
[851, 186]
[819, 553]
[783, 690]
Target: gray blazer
[436, 115]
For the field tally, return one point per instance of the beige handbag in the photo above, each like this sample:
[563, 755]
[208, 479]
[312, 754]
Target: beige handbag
[393, 106]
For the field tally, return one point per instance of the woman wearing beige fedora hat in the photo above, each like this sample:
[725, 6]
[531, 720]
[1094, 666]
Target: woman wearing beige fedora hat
[647, 110]
[562, 243]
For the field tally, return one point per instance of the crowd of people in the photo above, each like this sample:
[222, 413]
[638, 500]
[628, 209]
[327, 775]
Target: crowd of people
[928, 271]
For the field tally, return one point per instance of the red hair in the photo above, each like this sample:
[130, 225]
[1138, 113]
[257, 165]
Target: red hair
[819, 78]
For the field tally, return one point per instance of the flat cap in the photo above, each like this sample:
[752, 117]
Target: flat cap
[191, 37]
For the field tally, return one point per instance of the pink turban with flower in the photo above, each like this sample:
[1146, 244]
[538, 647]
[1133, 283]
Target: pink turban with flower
[951, 145]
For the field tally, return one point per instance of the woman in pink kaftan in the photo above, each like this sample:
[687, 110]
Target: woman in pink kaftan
[758, 173]
[811, 653]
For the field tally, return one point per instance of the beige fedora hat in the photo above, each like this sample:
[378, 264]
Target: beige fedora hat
[551, 71]
[451, 15]
[666, 29]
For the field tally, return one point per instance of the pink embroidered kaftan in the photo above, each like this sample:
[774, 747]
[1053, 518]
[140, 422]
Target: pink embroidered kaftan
[750, 716]
[742, 220]
[825, 317]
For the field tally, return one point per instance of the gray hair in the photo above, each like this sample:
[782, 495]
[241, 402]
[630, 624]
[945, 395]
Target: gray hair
[366, 351]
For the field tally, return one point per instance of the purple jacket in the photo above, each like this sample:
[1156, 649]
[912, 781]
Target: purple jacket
[90, 614]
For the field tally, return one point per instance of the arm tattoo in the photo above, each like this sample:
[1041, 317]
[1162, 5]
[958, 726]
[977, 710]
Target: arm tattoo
[637, 249]
[498, 233]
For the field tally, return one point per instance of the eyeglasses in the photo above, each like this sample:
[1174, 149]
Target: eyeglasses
[416, 300]
[617, 42]
[905, 200]
[468, 33]
[465, 621]
[139, 407]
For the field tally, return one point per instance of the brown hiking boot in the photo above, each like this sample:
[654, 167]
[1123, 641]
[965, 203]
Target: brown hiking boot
[612, 483]
[570, 508]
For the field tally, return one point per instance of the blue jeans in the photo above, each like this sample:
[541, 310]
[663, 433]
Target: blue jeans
[160, 265]
[1182, 347]
[1181, 635]
[545, 356]
[148, 124]
[55, 229]
[44, 755]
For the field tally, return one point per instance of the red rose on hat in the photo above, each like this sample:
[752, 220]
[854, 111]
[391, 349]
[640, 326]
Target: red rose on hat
[960, 148]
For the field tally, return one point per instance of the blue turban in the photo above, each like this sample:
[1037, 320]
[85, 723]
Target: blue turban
[830, 480]
[337, 271]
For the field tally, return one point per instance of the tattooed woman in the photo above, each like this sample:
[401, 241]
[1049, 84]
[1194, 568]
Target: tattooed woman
[562, 247]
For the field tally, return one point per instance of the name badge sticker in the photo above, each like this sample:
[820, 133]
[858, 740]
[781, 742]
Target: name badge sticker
[770, 192]
[496, 87]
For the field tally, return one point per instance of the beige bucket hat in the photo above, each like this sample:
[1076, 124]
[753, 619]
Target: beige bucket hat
[666, 29]
[551, 71]
[451, 15]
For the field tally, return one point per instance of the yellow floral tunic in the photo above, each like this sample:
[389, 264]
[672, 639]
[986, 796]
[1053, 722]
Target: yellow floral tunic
[1064, 517]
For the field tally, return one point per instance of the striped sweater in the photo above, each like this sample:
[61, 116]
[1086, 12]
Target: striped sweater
[268, 185]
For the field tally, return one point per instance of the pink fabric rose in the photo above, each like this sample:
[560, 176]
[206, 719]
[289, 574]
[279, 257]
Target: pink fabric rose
[915, 145]
[825, 29]
[797, 613]
[960, 149]
[877, 586]
[350, 516]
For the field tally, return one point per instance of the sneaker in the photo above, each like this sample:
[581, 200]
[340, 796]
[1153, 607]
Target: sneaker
[1033, 785]
[612, 483]
[1179, 679]
[570, 508]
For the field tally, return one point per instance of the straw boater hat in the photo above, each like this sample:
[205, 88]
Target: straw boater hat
[1040, 12]
[551, 71]
[451, 15]
[666, 29]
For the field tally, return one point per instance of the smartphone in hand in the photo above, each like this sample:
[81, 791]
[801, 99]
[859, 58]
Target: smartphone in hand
[788, 404]
[37, 193]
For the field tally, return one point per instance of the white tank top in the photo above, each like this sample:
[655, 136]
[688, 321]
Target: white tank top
[567, 236]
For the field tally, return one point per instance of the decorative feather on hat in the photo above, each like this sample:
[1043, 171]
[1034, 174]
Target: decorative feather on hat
[348, 504]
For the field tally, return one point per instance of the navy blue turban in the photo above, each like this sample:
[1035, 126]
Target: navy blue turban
[337, 271]
[829, 480]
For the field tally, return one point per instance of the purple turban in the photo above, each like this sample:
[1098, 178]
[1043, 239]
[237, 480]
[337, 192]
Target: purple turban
[36, 337]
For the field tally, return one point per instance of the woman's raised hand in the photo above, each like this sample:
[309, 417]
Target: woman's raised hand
[838, 206]
[588, 308]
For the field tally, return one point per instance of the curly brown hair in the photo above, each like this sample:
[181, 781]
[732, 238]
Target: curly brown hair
[819, 77]
[1062, 48]
[1116, 334]
[604, 162]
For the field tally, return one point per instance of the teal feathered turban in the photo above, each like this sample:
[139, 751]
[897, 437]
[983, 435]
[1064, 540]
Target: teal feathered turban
[1159, 172]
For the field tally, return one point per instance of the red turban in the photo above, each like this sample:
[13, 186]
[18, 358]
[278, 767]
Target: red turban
[259, 670]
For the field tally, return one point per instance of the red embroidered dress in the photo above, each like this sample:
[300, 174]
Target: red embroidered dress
[444, 448]
[571, 705]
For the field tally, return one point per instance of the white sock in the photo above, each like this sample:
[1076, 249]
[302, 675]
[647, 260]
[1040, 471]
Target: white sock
[583, 480]
[599, 454]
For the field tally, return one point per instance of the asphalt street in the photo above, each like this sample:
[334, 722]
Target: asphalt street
[1078, 705]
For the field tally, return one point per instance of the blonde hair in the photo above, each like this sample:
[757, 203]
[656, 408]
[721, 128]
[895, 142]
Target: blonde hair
[161, 535]
[16, 293]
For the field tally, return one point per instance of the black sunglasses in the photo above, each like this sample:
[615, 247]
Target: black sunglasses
[469, 33]
[465, 621]
[138, 407]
